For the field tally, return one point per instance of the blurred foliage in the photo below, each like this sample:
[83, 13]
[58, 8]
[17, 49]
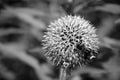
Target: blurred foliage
[22, 26]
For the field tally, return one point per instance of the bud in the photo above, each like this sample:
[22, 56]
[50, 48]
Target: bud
[71, 40]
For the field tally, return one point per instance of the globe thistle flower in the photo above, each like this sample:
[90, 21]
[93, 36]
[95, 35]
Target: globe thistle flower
[70, 40]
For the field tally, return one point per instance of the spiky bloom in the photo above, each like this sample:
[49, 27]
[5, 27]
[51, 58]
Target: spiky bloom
[72, 40]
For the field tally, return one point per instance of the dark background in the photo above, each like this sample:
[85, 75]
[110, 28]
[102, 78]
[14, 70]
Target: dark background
[22, 26]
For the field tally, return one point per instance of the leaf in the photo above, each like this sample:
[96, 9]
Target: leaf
[28, 15]
[17, 51]
[113, 68]
[111, 8]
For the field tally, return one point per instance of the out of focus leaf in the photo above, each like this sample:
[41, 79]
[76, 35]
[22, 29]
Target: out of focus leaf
[110, 8]
[113, 68]
[90, 70]
[6, 73]
[28, 15]
[117, 21]
[17, 51]
[76, 78]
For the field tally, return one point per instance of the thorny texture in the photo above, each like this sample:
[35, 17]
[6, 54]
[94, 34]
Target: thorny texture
[72, 40]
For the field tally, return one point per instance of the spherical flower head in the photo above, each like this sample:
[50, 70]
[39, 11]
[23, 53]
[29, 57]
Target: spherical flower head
[71, 40]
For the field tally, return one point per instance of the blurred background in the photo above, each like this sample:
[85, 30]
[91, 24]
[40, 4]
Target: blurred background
[22, 26]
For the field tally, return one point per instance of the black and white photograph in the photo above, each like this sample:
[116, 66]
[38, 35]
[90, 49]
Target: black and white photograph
[59, 40]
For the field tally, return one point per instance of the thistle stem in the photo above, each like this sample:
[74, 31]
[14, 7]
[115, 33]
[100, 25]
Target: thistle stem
[63, 73]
